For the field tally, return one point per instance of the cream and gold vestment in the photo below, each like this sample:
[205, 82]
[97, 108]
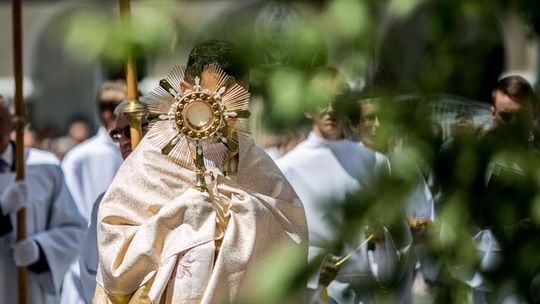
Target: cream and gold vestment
[160, 241]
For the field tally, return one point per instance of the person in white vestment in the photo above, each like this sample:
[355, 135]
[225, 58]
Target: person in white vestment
[90, 166]
[89, 169]
[367, 124]
[418, 201]
[54, 228]
[325, 170]
[88, 256]
[501, 276]
[502, 190]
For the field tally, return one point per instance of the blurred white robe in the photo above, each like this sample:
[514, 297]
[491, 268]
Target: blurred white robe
[88, 257]
[323, 173]
[52, 220]
[488, 250]
[419, 204]
[79, 286]
[488, 253]
[89, 169]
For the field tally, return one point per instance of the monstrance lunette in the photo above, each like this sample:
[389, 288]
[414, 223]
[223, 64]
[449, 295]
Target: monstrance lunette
[198, 123]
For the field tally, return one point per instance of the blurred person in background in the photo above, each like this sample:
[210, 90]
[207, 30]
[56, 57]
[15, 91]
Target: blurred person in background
[78, 131]
[61, 145]
[366, 125]
[374, 132]
[325, 170]
[46, 137]
[494, 176]
[90, 168]
[30, 138]
[464, 137]
[503, 210]
[463, 129]
[54, 228]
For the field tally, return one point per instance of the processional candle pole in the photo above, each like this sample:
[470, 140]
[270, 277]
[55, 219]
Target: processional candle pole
[19, 122]
[135, 109]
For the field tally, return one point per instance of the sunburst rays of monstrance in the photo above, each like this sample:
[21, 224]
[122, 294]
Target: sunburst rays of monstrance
[198, 122]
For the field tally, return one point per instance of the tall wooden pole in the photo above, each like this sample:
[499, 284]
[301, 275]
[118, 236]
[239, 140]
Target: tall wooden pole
[135, 110]
[18, 124]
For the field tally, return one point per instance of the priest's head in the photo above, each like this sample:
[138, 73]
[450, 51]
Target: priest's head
[5, 124]
[221, 52]
[514, 107]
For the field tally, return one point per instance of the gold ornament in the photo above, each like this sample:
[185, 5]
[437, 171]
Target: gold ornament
[200, 121]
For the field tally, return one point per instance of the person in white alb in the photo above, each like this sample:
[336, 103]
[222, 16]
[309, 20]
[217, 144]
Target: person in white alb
[417, 199]
[54, 228]
[91, 165]
[500, 276]
[325, 170]
[89, 169]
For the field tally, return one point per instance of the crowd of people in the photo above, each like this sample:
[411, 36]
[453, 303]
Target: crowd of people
[110, 224]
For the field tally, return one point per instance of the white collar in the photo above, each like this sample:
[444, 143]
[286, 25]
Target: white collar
[316, 140]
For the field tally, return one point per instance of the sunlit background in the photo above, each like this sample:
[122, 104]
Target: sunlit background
[70, 47]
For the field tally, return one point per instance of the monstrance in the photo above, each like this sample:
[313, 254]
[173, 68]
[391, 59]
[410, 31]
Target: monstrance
[198, 122]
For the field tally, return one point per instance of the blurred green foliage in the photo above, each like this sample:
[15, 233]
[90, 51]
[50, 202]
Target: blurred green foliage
[99, 34]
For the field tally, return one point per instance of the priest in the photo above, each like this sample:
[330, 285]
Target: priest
[162, 239]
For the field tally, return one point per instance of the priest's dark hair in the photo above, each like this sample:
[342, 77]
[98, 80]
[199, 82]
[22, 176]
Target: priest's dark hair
[221, 52]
